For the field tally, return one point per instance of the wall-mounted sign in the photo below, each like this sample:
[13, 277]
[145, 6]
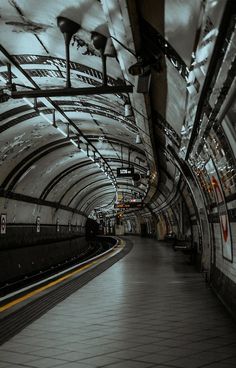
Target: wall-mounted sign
[3, 223]
[125, 172]
[58, 225]
[38, 224]
[136, 200]
[128, 205]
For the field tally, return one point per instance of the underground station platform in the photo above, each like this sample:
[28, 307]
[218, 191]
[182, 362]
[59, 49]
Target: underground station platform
[117, 183]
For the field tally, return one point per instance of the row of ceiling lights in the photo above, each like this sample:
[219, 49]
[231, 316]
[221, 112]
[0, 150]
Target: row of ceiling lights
[77, 144]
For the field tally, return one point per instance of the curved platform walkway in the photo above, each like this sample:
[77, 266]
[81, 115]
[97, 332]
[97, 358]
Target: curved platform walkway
[150, 309]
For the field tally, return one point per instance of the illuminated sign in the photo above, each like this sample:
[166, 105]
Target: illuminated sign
[125, 172]
[128, 205]
[136, 200]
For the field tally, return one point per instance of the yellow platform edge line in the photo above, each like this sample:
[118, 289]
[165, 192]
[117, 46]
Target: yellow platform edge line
[53, 283]
[45, 287]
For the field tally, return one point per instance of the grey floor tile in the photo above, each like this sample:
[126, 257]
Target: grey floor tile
[12, 365]
[44, 363]
[199, 346]
[101, 350]
[127, 354]
[50, 352]
[178, 352]
[197, 361]
[152, 348]
[231, 360]
[102, 360]
[129, 364]
[12, 357]
[157, 358]
[163, 366]
[35, 341]
[73, 346]
[216, 355]
[19, 348]
[220, 365]
[169, 343]
[72, 356]
[96, 341]
[76, 365]
[29, 333]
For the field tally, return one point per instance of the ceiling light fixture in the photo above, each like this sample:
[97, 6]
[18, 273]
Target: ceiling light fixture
[138, 139]
[99, 42]
[128, 109]
[68, 28]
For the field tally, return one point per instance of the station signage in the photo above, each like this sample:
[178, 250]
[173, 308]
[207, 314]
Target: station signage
[125, 172]
[127, 205]
[57, 225]
[3, 227]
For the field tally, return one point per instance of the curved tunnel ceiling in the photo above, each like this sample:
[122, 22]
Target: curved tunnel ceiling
[75, 143]
[65, 149]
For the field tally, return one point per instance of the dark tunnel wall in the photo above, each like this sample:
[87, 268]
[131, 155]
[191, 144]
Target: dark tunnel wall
[16, 263]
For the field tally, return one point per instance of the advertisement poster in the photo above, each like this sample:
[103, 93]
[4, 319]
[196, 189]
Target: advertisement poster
[222, 211]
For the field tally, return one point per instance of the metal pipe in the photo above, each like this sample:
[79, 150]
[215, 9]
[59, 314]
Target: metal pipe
[67, 38]
[60, 92]
[104, 70]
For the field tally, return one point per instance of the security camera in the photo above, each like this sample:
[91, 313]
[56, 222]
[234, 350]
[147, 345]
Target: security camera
[139, 68]
[146, 63]
[142, 72]
[136, 69]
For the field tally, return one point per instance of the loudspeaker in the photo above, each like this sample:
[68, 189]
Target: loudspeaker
[142, 83]
[138, 139]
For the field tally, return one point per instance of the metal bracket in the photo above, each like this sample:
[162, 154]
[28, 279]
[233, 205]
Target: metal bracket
[60, 92]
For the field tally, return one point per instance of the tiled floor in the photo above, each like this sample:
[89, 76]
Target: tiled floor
[151, 309]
